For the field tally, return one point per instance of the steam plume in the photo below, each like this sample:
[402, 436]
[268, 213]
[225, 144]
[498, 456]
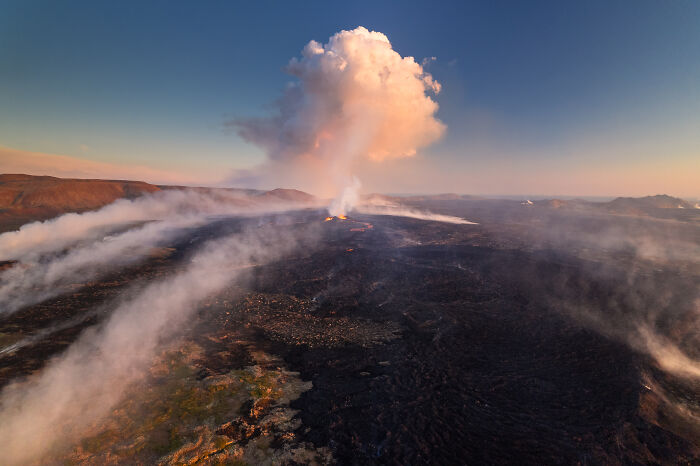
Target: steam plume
[346, 200]
[356, 99]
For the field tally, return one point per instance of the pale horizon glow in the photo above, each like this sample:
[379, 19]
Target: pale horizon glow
[16, 161]
[649, 179]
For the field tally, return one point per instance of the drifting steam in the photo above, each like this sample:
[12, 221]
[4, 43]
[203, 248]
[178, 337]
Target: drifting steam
[668, 355]
[643, 299]
[44, 269]
[379, 206]
[34, 239]
[33, 281]
[39, 415]
[399, 211]
[356, 99]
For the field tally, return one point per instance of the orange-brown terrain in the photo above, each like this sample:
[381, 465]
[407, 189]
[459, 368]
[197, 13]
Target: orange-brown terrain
[28, 198]
[25, 198]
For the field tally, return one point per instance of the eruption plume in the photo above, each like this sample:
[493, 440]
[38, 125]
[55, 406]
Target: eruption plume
[346, 200]
[356, 99]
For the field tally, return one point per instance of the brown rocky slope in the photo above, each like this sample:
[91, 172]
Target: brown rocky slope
[25, 198]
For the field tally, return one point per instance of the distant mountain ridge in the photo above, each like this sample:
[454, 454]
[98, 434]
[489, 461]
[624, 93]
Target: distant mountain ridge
[50, 193]
[289, 195]
[660, 206]
[660, 201]
[26, 198]
[621, 205]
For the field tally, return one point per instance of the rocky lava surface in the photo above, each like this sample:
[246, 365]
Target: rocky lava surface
[410, 342]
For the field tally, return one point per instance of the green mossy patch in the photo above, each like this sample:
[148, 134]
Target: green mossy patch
[178, 417]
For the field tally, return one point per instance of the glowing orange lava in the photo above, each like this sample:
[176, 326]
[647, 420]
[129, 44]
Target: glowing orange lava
[342, 217]
[328, 219]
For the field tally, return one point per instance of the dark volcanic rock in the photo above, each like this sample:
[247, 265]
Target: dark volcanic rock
[432, 343]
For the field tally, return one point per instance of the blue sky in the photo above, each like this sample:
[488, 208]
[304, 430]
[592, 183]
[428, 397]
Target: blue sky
[597, 94]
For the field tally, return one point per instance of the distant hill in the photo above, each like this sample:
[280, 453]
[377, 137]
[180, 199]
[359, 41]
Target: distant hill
[660, 205]
[26, 198]
[660, 201]
[59, 194]
[566, 203]
[287, 195]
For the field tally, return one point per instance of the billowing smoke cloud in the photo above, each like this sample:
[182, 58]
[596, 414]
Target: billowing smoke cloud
[356, 99]
[57, 406]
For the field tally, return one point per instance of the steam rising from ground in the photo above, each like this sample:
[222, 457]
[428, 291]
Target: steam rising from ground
[81, 386]
[667, 354]
[44, 269]
[34, 239]
[640, 333]
[379, 206]
[402, 211]
[648, 269]
[36, 280]
[355, 99]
